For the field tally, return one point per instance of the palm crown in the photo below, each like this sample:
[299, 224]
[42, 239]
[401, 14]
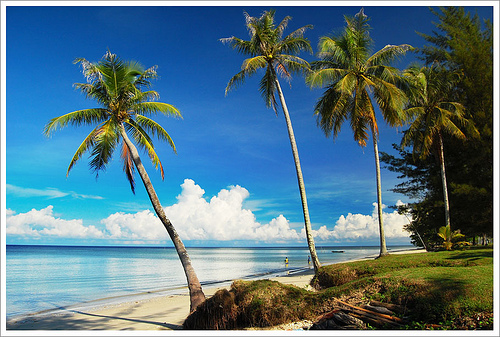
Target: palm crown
[117, 86]
[350, 73]
[268, 49]
[431, 109]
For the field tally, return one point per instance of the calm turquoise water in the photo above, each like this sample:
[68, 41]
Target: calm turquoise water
[40, 278]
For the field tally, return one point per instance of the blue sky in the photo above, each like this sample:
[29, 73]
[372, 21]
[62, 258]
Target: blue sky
[233, 179]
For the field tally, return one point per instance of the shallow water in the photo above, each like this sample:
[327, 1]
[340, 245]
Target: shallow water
[42, 278]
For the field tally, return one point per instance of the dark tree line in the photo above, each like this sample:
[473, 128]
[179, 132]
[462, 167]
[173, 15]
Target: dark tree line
[462, 43]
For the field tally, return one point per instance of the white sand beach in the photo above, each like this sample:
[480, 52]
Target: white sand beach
[158, 313]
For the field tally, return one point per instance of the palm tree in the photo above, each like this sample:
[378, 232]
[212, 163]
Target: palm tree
[434, 115]
[353, 79]
[269, 50]
[116, 85]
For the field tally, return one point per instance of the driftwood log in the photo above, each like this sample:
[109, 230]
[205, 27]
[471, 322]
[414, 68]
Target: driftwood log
[348, 316]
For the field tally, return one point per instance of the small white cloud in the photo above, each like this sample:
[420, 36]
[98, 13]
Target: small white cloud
[361, 227]
[43, 223]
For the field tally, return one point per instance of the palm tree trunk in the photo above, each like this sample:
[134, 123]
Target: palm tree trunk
[195, 291]
[443, 179]
[302, 188]
[383, 248]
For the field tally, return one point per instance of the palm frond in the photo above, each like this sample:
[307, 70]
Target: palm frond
[76, 118]
[87, 144]
[332, 110]
[282, 71]
[294, 64]
[128, 166]
[447, 125]
[94, 91]
[298, 33]
[334, 52]
[253, 64]
[105, 141]
[391, 101]
[143, 96]
[155, 129]
[268, 89]
[151, 108]
[282, 26]
[238, 79]
[322, 77]
[143, 140]
[388, 54]
[241, 46]
[144, 80]
[362, 115]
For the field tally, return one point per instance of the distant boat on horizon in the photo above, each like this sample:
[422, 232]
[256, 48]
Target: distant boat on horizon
[337, 251]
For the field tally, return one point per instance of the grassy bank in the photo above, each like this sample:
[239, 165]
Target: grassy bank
[442, 290]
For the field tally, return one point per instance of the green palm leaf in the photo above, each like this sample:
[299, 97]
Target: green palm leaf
[152, 108]
[155, 129]
[144, 142]
[128, 166]
[105, 140]
[267, 89]
[388, 54]
[76, 118]
[87, 143]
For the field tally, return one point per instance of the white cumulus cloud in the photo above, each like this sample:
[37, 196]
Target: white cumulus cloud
[43, 223]
[221, 218]
[360, 226]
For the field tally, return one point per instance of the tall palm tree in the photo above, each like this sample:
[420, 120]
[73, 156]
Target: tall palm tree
[433, 115]
[117, 86]
[269, 50]
[354, 78]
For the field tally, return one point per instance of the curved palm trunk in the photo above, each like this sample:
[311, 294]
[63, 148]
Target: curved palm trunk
[305, 209]
[195, 291]
[383, 248]
[443, 179]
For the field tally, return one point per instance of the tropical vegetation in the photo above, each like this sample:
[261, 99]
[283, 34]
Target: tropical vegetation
[268, 49]
[433, 115]
[125, 110]
[354, 79]
[447, 104]
[462, 45]
[433, 290]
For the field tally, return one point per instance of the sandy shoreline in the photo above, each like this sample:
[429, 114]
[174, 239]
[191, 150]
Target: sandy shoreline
[157, 313]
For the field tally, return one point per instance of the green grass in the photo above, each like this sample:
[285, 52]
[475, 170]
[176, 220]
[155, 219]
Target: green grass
[451, 289]
[436, 288]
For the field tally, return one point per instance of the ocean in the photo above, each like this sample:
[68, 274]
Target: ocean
[44, 279]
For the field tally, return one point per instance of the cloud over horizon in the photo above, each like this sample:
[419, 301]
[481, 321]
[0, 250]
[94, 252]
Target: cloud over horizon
[195, 217]
[38, 223]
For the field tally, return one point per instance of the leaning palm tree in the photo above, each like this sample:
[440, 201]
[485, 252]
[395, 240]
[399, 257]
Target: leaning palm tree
[269, 50]
[117, 86]
[433, 115]
[353, 79]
